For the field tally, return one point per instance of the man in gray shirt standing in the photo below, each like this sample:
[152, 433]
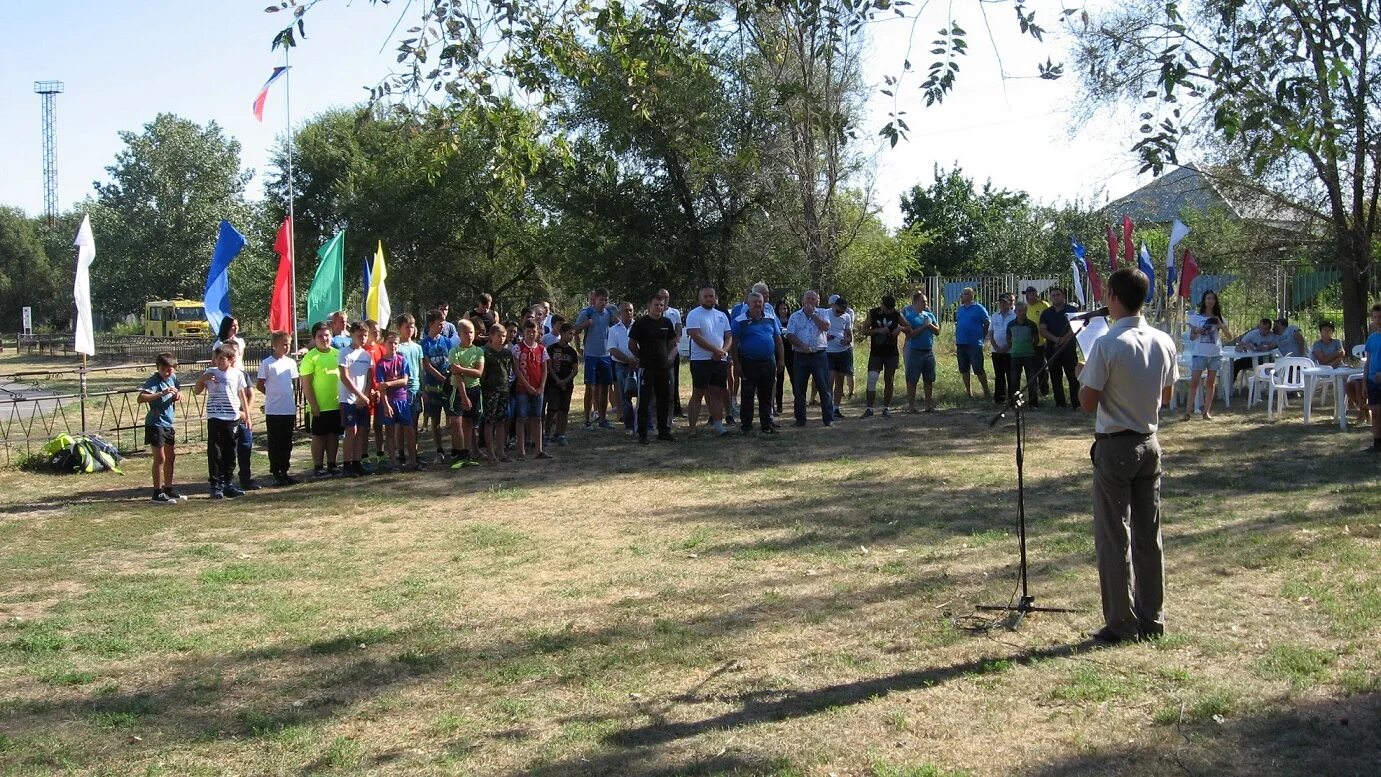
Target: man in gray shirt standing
[1128, 376]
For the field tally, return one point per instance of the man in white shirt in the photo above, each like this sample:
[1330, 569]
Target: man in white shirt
[806, 332]
[839, 347]
[1002, 347]
[1127, 377]
[708, 329]
[625, 366]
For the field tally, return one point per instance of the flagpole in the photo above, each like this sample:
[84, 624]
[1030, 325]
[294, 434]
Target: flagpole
[292, 193]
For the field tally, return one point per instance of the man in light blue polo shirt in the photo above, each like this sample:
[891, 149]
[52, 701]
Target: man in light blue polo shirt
[970, 329]
[920, 327]
[758, 354]
[806, 331]
[594, 322]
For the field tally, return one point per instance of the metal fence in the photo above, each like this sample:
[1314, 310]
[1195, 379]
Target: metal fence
[31, 415]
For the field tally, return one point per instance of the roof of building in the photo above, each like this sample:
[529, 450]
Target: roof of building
[1163, 200]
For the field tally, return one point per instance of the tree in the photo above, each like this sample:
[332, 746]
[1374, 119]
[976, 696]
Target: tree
[1284, 88]
[425, 186]
[27, 278]
[480, 47]
[970, 231]
[157, 217]
[808, 62]
[876, 261]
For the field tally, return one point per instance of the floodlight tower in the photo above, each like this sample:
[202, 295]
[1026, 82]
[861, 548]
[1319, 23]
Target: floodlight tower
[49, 90]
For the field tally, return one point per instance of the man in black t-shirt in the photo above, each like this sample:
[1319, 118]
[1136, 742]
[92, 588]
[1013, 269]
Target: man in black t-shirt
[1056, 331]
[884, 323]
[652, 339]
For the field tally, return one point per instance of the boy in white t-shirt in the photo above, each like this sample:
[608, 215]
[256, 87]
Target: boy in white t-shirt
[276, 381]
[227, 406]
[355, 364]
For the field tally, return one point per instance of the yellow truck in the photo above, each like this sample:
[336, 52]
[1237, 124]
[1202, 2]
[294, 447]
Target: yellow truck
[175, 318]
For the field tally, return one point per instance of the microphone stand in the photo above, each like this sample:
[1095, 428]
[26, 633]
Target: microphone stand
[1016, 405]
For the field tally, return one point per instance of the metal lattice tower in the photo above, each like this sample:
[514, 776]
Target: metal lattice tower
[49, 90]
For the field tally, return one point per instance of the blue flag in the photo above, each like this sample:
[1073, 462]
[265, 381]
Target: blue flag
[229, 243]
[364, 297]
[1143, 262]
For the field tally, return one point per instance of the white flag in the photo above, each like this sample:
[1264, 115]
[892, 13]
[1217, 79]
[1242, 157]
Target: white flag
[81, 290]
[1078, 282]
[1178, 231]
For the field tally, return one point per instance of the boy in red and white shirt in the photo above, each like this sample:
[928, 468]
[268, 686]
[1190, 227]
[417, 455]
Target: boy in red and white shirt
[528, 390]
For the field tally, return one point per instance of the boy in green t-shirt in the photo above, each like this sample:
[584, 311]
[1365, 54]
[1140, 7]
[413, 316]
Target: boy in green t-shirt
[1022, 334]
[467, 365]
[320, 375]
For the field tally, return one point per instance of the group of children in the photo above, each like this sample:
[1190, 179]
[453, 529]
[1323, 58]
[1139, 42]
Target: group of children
[505, 389]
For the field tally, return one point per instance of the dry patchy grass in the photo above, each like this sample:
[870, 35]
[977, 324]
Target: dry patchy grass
[788, 606]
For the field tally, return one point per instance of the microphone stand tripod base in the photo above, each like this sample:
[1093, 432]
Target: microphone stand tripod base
[1016, 404]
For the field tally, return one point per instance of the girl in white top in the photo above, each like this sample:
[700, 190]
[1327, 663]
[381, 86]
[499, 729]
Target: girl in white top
[1207, 338]
[230, 333]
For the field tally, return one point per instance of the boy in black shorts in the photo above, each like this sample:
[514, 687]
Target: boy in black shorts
[562, 365]
[161, 392]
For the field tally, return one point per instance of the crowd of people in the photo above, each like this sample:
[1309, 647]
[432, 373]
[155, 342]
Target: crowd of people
[492, 391]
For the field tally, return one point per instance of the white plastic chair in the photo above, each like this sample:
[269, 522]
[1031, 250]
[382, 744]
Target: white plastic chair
[1287, 376]
[1259, 381]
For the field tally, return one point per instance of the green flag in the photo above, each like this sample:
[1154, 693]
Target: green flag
[325, 295]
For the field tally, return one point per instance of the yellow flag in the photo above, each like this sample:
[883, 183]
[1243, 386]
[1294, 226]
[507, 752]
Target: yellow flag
[376, 305]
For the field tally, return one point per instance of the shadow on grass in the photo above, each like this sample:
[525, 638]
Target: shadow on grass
[628, 750]
[1339, 738]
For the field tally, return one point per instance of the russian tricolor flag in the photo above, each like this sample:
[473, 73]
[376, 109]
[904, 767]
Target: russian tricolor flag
[264, 93]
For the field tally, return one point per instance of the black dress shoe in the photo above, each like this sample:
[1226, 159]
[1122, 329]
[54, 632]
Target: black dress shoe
[1109, 637]
[250, 485]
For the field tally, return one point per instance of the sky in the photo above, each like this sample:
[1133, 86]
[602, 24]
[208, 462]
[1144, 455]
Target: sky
[125, 61]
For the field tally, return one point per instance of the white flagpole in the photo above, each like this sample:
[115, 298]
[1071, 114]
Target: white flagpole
[292, 194]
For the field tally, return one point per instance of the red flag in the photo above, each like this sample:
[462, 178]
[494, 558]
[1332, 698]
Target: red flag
[1112, 248]
[281, 308]
[1095, 282]
[1128, 250]
[1188, 273]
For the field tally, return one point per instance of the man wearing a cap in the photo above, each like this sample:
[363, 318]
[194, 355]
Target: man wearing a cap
[1035, 306]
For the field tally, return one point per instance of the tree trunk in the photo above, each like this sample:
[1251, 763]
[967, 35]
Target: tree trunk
[1354, 255]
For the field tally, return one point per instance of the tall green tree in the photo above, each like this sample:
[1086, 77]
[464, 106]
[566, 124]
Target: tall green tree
[27, 277]
[971, 230]
[156, 219]
[1285, 88]
[807, 67]
[426, 186]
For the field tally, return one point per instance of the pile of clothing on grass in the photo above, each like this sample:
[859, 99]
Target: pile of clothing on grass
[83, 453]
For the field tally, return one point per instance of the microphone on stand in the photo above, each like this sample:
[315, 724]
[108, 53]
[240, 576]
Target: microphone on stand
[1095, 313]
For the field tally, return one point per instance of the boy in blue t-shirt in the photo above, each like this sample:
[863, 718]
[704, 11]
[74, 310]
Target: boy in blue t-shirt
[161, 392]
[1373, 377]
[436, 378]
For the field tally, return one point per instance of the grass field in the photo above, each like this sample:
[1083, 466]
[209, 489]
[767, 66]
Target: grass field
[803, 605]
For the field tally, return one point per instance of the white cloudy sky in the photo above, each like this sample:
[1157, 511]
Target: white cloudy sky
[124, 61]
